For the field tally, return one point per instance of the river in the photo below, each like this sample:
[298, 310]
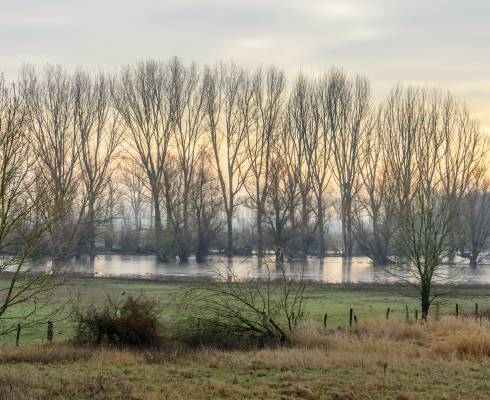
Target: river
[330, 269]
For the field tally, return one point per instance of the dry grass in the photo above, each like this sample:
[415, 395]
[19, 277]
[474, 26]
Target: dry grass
[449, 359]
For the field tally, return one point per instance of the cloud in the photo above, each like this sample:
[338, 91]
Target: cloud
[441, 42]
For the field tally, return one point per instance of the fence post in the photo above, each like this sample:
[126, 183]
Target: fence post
[476, 309]
[457, 309]
[388, 313]
[407, 315]
[325, 320]
[416, 315]
[17, 337]
[50, 332]
[350, 317]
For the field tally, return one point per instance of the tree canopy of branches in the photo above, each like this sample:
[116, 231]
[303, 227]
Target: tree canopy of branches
[179, 159]
[432, 153]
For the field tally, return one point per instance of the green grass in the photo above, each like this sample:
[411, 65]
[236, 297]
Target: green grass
[367, 301]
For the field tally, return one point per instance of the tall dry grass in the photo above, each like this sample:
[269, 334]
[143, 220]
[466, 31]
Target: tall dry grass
[376, 359]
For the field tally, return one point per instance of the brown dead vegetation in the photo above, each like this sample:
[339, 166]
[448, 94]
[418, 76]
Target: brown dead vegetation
[444, 359]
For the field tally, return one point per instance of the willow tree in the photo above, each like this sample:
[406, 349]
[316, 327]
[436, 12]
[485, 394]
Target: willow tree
[374, 222]
[301, 130]
[229, 109]
[348, 107]
[50, 103]
[98, 134]
[146, 96]
[187, 140]
[268, 98]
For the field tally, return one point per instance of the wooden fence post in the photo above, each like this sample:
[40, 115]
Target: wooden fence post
[457, 309]
[17, 337]
[325, 320]
[388, 313]
[50, 332]
[407, 315]
[416, 315]
[350, 317]
[476, 308]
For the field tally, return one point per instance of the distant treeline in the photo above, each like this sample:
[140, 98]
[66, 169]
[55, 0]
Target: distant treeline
[177, 159]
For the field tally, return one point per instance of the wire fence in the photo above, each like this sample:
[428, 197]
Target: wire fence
[350, 316]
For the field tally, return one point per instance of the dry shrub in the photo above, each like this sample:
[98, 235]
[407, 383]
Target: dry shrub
[134, 322]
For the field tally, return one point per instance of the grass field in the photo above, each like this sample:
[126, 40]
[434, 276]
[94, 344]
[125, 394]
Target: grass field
[449, 359]
[375, 359]
[369, 302]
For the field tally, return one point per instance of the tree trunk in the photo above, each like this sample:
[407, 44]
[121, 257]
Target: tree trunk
[474, 258]
[158, 233]
[202, 247]
[425, 300]
[347, 224]
[260, 234]
[184, 245]
[304, 227]
[321, 231]
[229, 224]
[91, 230]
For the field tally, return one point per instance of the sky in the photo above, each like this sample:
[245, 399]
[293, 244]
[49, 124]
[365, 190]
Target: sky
[437, 43]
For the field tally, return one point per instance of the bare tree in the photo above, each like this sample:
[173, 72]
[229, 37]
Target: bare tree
[98, 135]
[268, 89]
[229, 111]
[373, 222]
[320, 158]
[25, 293]
[426, 206]
[348, 105]
[207, 206]
[277, 207]
[136, 195]
[147, 96]
[50, 104]
[301, 130]
[187, 138]
[475, 218]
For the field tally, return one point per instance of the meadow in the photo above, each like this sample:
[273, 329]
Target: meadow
[368, 301]
[376, 358]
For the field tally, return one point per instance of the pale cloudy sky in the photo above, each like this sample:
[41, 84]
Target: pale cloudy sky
[433, 42]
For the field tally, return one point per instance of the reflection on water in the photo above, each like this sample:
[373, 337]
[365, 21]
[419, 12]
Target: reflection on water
[330, 269]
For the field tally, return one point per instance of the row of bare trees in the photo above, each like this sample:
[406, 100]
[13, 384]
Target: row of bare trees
[166, 156]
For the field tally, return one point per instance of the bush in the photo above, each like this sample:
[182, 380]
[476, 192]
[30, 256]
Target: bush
[233, 311]
[134, 322]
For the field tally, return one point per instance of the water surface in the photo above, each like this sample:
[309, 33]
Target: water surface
[330, 269]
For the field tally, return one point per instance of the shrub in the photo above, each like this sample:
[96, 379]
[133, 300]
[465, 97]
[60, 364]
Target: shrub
[134, 322]
[233, 311]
